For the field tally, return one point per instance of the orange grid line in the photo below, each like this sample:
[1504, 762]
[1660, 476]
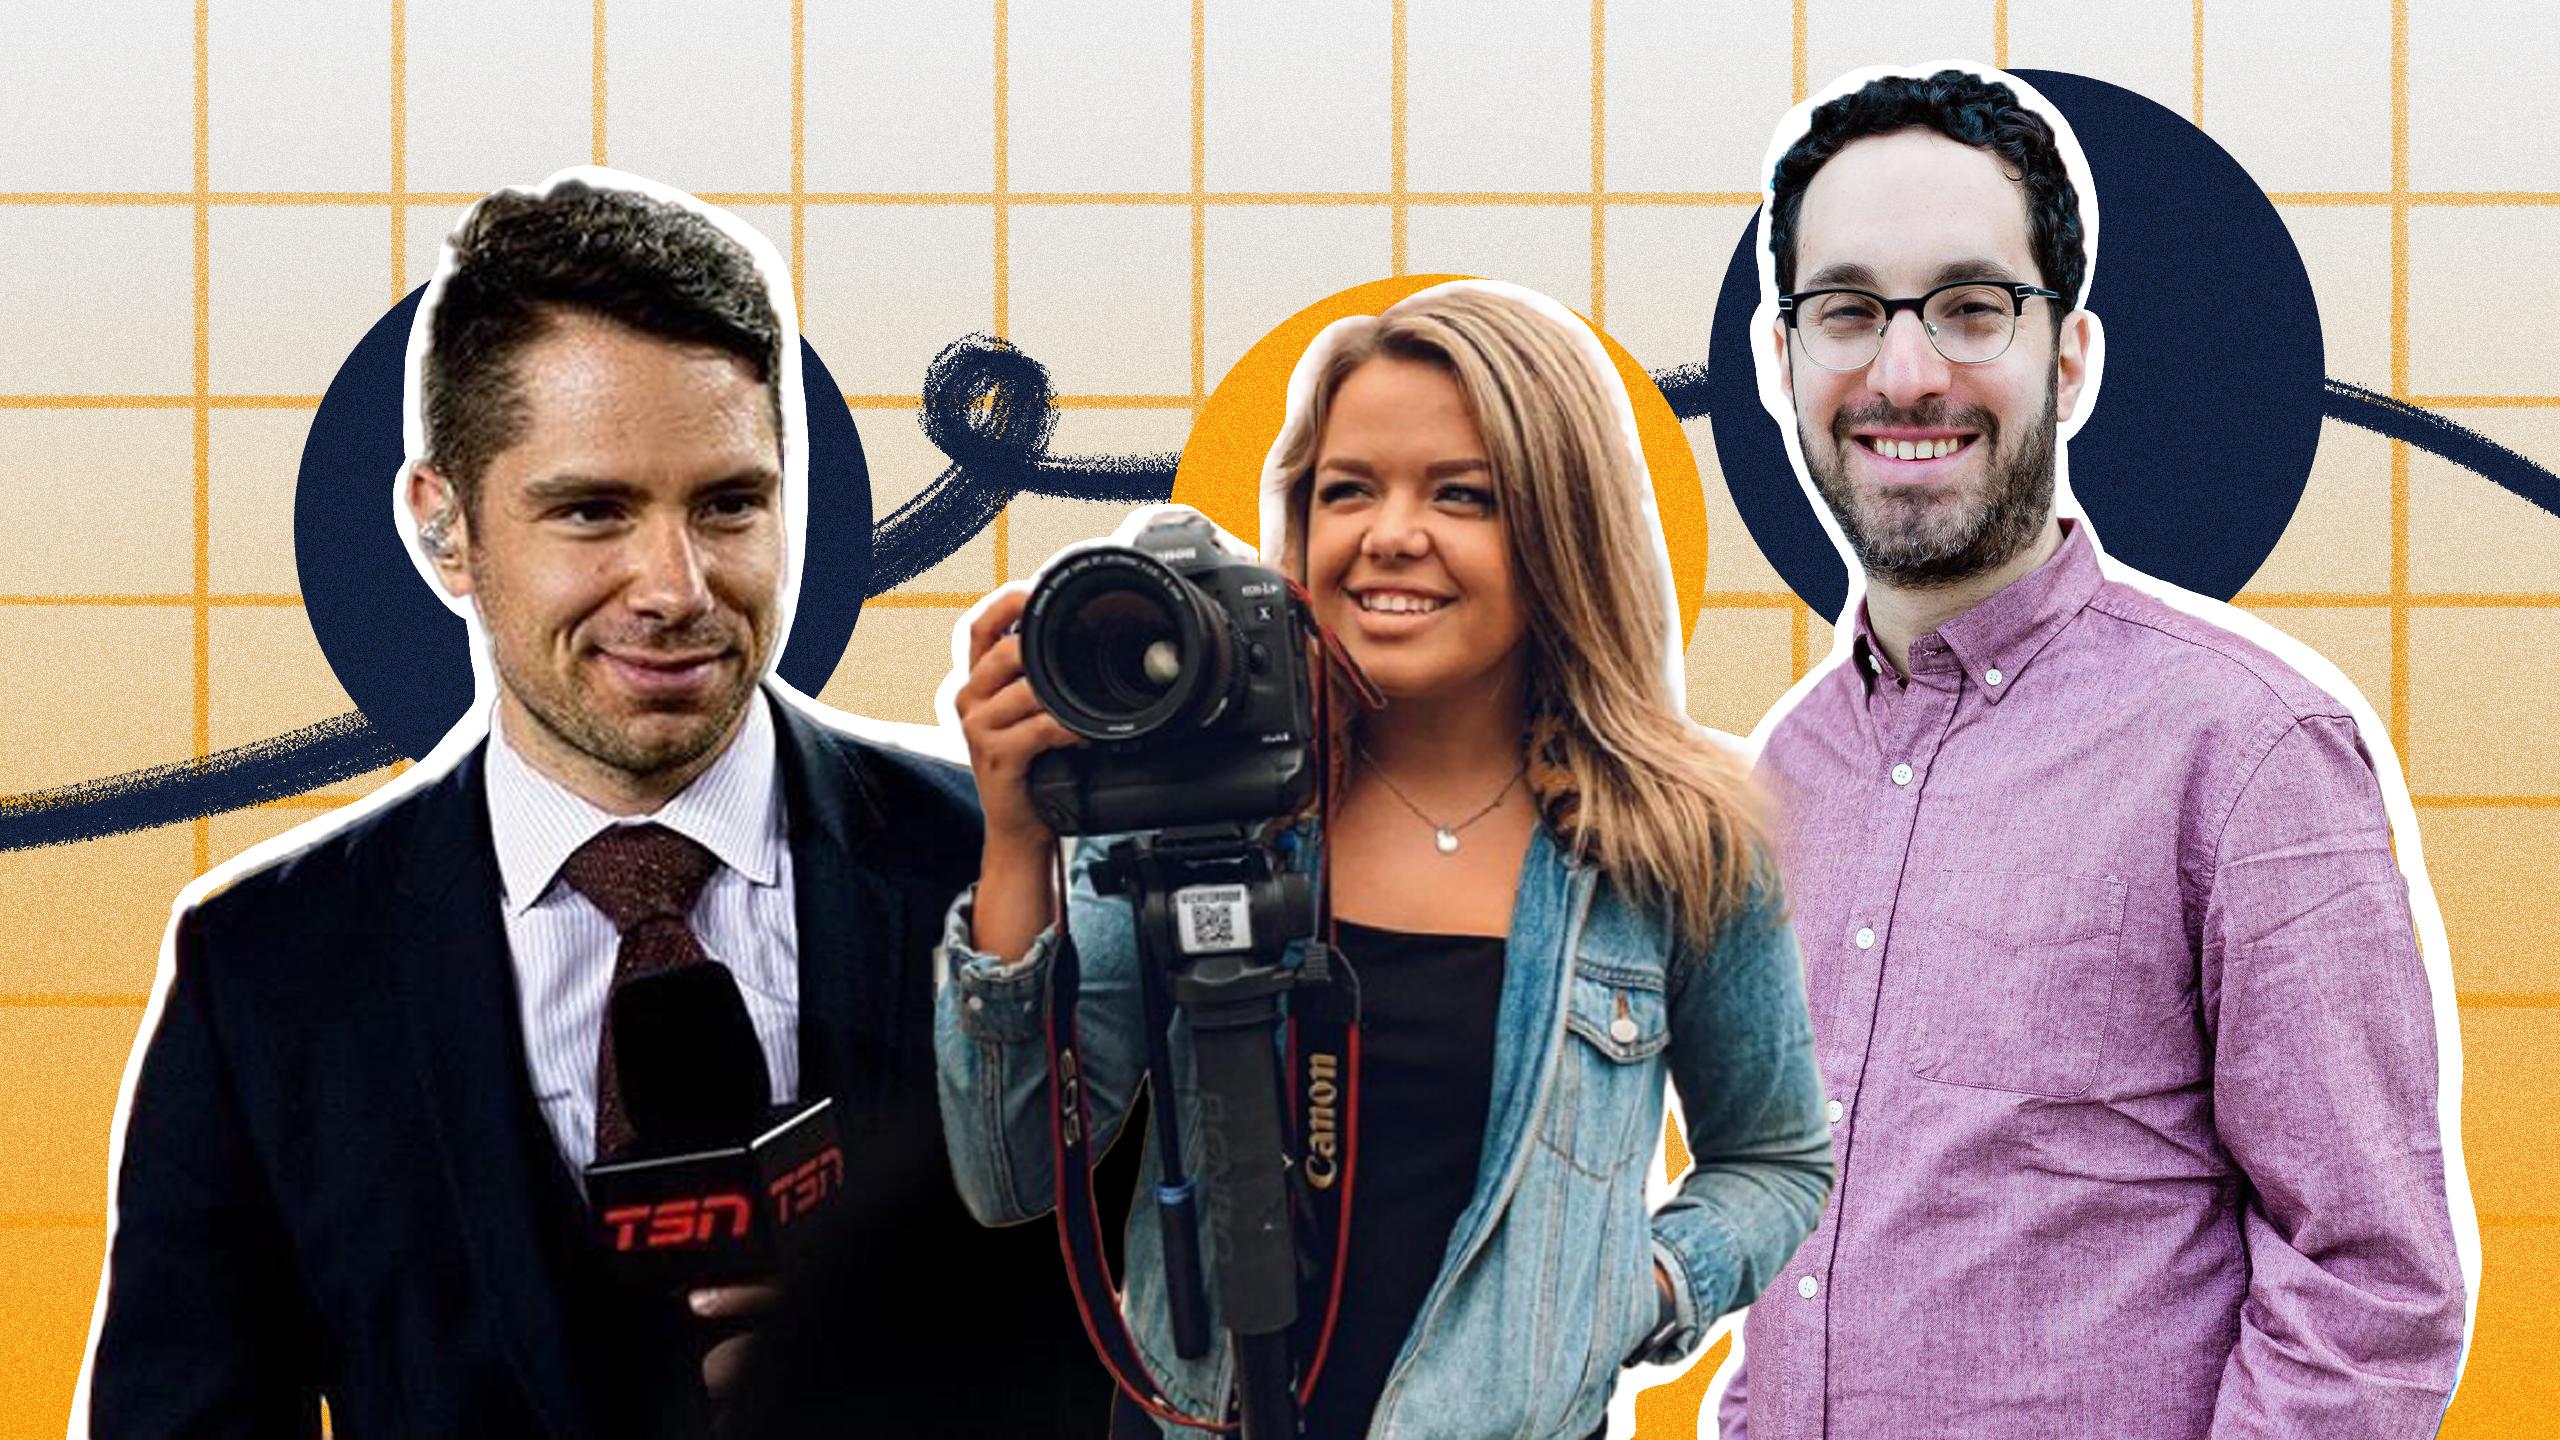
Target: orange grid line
[201, 721]
[53, 1222]
[1599, 196]
[1796, 80]
[2484, 402]
[595, 95]
[323, 199]
[799, 160]
[72, 1001]
[189, 598]
[2399, 726]
[1199, 205]
[1399, 198]
[2195, 101]
[2414, 599]
[399, 149]
[159, 402]
[1002, 89]
[1999, 37]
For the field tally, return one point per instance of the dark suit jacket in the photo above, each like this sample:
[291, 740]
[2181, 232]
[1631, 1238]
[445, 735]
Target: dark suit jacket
[335, 1181]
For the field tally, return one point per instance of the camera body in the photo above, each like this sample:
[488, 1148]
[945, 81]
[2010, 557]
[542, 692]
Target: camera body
[1184, 667]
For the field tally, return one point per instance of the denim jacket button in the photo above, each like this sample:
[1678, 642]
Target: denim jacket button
[1623, 1030]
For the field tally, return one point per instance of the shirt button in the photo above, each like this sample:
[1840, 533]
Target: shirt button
[1901, 774]
[1990, 677]
[1866, 938]
[1835, 1112]
[1623, 1030]
[976, 1002]
[1807, 1286]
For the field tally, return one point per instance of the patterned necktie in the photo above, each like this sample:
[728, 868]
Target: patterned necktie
[645, 879]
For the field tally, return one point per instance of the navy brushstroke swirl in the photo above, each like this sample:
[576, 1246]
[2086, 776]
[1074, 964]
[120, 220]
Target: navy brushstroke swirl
[988, 407]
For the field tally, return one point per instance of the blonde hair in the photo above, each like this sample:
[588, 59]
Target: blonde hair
[1619, 773]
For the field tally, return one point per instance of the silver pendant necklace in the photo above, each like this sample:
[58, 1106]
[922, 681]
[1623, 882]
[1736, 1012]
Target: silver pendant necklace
[1445, 837]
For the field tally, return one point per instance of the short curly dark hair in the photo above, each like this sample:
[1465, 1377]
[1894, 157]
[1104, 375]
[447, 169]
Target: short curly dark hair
[521, 259]
[1969, 110]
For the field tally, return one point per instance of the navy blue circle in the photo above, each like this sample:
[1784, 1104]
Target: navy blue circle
[2208, 414]
[402, 656]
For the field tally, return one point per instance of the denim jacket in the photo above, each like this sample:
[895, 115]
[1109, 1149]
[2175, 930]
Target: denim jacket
[1546, 1288]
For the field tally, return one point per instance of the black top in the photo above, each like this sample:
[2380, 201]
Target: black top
[1426, 1085]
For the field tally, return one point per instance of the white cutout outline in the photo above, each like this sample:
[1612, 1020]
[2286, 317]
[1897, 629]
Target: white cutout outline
[473, 727]
[2434, 950]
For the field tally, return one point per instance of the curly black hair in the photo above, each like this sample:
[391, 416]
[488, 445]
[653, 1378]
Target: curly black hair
[521, 259]
[1967, 109]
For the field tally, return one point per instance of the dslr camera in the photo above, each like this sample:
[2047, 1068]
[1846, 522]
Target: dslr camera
[1186, 668]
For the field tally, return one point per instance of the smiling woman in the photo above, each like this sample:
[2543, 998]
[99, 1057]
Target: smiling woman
[1551, 886]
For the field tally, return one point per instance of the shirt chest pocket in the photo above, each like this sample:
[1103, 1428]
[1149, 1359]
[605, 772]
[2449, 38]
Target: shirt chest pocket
[2013, 979]
[1607, 1103]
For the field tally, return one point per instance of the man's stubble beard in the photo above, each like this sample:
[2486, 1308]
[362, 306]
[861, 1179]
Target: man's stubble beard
[1918, 545]
[566, 710]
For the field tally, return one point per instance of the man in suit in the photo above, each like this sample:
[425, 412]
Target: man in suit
[350, 1166]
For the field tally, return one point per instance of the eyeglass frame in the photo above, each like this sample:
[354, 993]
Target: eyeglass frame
[2020, 292]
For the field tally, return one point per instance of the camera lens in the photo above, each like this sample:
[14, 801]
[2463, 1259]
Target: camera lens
[1118, 646]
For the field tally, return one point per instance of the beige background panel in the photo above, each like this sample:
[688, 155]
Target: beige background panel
[137, 467]
[61, 1066]
[897, 657]
[68, 132]
[703, 106]
[1734, 656]
[292, 287]
[118, 887]
[909, 99]
[2482, 717]
[299, 95]
[2339, 540]
[48, 1281]
[117, 688]
[2464, 132]
[2146, 46]
[2492, 873]
[2510, 1128]
[904, 98]
[2356, 639]
[2482, 293]
[2346, 250]
[1298, 97]
[254, 466]
[2466, 536]
[110, 309]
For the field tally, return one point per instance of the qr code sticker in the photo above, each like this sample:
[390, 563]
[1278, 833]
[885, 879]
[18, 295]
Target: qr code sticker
[1213, 918]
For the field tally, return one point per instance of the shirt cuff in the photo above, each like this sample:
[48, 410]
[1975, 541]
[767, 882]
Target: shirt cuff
[1002, 1001]
[1675, 1331]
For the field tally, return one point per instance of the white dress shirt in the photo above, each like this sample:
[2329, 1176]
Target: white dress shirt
[563, 946]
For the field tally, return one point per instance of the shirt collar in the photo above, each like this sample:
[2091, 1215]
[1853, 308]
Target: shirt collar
[1995, 640]
[1992, 642]
[733, 809]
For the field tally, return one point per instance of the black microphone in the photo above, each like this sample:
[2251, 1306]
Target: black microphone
[718, 1186]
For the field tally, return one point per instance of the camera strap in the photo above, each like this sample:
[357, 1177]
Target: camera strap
[1323, 1046]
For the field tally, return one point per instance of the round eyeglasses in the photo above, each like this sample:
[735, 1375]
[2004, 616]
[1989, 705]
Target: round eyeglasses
[1970, 322]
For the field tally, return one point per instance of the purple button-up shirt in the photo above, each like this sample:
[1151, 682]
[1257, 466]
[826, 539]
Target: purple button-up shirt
[2128, 1044]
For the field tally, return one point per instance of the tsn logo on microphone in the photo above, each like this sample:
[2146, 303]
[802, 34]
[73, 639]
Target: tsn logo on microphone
[683, 1222]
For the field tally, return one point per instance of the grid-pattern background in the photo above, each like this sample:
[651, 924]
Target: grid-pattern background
[204, 202]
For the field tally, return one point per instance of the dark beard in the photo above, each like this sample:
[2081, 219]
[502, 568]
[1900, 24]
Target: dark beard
[2012, 512]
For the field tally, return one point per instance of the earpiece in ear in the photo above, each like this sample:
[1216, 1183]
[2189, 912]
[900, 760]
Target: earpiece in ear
[437, 534]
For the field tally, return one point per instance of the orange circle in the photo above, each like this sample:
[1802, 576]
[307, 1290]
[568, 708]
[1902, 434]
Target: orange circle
[1221, 470]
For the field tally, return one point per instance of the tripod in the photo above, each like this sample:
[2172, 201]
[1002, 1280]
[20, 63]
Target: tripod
[1215, 915]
